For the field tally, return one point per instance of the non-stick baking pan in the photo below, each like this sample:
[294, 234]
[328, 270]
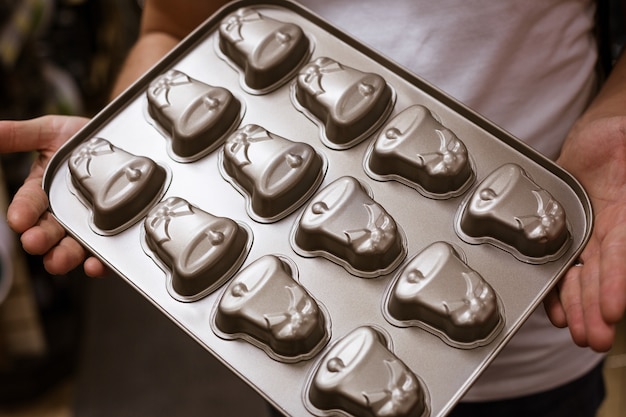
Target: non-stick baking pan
[337, 231]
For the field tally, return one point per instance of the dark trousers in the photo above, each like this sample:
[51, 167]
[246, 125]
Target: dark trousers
[579, 398]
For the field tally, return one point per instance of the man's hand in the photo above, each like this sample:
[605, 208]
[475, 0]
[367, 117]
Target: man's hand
[28, 213]
[591, 297]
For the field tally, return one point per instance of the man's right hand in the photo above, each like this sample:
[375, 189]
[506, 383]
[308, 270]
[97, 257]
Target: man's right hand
[28, 213]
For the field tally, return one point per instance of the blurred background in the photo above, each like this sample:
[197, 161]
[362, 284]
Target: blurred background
[75, 346]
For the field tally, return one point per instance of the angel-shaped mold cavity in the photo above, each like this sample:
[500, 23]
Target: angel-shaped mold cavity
[266, 50]
[198, 250]
[194, 116]
[510, 210]
[347, 102]
[118, 185]
[437, 290]
[344, 224]
[267, 306]
[415, 149]
[360, 376]
[275, 174]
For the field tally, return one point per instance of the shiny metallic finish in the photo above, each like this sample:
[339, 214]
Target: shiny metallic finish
[194, 116]
[266, 305]
[326, 218]
[359, 375]
[415, 149]
[275, 173]
[343, 223]
[200, 251]
[509, 209]
[117, 185]
[440, 292]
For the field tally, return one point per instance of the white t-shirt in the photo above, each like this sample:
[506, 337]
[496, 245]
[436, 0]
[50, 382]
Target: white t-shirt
[527, 65]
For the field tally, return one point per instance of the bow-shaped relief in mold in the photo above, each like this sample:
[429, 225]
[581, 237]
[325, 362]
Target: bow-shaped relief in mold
[313, 74]
[344, 224]
[80, 160]
[542, 225]
[265, 305]
[511, 211]
[298, 316]
[360, 376]
[232, 25]
[377, 235]
[450, 156]
[416, 149]
[197, 250]
[346, 102]
[160, 89]
[117, 185]
[400, 394]
[275, 174]
[240, 141]
[160, 219]
[478, 304]
[265, 50]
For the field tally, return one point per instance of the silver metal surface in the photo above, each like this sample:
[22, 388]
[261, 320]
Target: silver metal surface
[350, 301]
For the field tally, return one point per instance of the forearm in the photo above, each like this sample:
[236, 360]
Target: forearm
[148, 50]
[164, 23]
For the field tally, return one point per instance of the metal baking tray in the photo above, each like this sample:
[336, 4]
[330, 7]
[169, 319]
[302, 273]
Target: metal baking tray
[350, 298]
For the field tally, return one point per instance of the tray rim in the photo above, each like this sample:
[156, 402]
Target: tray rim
[472, 116]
